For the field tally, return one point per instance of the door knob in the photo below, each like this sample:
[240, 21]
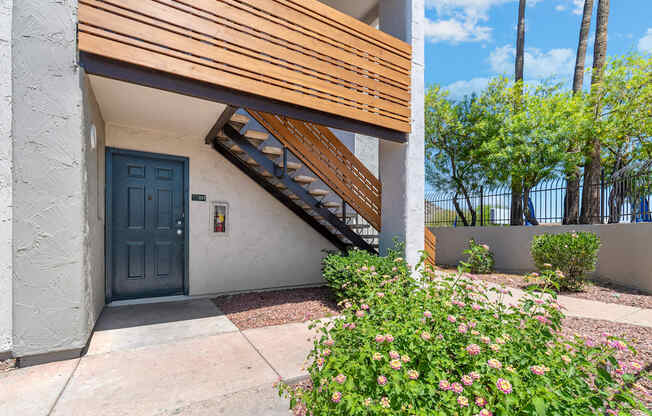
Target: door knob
[179, 232]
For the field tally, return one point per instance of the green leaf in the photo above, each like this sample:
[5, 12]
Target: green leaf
[539, 405]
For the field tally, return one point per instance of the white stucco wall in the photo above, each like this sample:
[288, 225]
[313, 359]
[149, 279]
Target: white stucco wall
[5, 177]
[267, 245]
[52, 311]
[93, 183]
[624, 257]
[401, 166]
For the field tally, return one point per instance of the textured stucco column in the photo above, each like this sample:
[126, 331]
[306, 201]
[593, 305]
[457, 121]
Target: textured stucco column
[5, 178]
[402, 165]
[51, 305]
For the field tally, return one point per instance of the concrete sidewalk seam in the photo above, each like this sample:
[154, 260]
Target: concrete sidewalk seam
[65, 386]
[261, 355]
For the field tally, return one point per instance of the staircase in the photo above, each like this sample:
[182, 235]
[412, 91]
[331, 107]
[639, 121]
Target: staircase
[248, 144]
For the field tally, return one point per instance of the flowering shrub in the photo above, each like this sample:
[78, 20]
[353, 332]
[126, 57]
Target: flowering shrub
[480, 259]
[565, 259]
[441, 347]
[351, 276]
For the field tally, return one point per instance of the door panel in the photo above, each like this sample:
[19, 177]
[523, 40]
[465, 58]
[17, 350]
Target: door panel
[147, 229]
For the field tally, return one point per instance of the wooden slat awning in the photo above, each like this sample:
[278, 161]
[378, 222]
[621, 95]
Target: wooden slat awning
[299, 52]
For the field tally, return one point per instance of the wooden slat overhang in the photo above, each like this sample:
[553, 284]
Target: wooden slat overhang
[300, 54]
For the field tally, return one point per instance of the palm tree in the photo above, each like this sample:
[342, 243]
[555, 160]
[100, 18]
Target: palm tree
[593, 167]
[572, 201]
[517, 185]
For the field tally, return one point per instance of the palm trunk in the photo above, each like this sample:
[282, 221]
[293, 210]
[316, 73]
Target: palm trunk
[517, 186]
[593, 167]
[572, 199]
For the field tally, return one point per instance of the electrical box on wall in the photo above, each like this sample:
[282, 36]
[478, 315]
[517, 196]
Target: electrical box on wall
[220, 221]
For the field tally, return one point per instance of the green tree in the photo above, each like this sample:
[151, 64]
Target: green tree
[525, 133]
[451, 161]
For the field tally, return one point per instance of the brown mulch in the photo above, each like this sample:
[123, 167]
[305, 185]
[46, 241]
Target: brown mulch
[255, 310]
[638, 337]
[593, 290]
[7, 365]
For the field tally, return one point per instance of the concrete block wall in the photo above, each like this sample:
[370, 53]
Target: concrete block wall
[624, 258]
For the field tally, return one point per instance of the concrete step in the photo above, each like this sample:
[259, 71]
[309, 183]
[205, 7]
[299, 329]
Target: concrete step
[318, 192]
[272, 151]
[256, 137]
[292, 166]
[304, 180]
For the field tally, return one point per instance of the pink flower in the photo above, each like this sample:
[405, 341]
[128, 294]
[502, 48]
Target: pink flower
[380, 294]
[485, 412]
[473, 349]
[495, 347]
[364, 307]
[475, 375]
[542, 319]
[413, 374]
[372, 268]
[457, 387]
[485, 339]
[341, 378]
[462, 329]
[425, 336]
[462, 401]
[617, 345]
[539, 370]
[377, 356]
[382, 380]
[566, 359]
[351, 326]
[480, 401]
[635, 367]
[389, 338]
[347, 305]
[384, 402]
[380, 338]
[451, 318]
[359, 314]
[405, 359]
[320, 361]
[444, 385]
[467, 380]
[493, 363]
[427, 314]
[327, 352]
[504, 385]
[473, 324]
[367, 402]
[394, 355]
[395, 365]
[329, 342]
[476, 307]
[336, 397]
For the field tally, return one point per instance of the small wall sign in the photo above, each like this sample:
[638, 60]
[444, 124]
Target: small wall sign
[199, 197]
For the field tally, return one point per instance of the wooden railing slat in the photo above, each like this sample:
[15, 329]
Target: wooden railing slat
[304, 54]
[363, 194]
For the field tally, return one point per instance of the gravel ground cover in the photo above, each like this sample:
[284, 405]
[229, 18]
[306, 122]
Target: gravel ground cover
[600, 291]
[255, 310]
[7, 365]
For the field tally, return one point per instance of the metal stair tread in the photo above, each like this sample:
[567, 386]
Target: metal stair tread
[331, 204]
[291, 165]
[272, 151]
[256, 135]
[239, 119]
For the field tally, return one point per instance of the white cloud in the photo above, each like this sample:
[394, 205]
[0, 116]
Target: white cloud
[457, 90]
[574, 6]
[460, 20]
[538, 64]
[560, 7]
[645, 43]
[455, 30]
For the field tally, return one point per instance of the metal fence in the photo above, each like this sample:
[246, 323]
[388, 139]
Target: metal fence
[623, 200]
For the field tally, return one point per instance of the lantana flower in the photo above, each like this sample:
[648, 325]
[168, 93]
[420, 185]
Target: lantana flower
[394, 355]
[473, 349]
[462, 401]
[444, 385]
[457, 387]
[493, 363]
[377, 356]
[480, 401]
[504, 385]
[395, 364]
[336, 397]
[382, 380]
[384, 402]
[389, 338]
[425, 336]
[413, 374]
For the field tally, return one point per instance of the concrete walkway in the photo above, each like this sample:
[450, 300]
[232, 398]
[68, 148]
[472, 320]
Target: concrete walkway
[187, 358]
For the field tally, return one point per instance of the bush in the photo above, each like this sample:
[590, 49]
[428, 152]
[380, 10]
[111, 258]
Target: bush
[480, 259]
[445, 349]
[565, 259]
[350, 276]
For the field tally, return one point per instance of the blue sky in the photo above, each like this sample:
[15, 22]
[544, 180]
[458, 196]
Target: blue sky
[470, 41]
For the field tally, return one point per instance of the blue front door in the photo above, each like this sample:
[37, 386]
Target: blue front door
[147, 225]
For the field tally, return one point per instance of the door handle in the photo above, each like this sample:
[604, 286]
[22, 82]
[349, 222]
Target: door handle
[179, 232]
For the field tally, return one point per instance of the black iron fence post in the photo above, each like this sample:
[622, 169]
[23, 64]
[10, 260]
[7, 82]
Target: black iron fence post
[602, 197]
[482, 206]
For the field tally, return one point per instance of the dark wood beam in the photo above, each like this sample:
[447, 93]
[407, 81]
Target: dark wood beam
[135, 74]
[224, 118]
